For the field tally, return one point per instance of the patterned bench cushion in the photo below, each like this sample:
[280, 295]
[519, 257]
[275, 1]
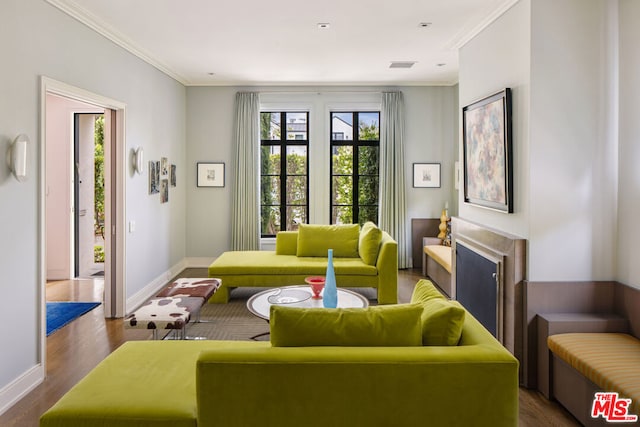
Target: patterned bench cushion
[609, 360]
[164, 313]
[191, 287]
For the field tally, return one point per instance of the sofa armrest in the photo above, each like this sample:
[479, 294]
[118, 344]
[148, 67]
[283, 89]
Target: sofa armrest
[387, 265]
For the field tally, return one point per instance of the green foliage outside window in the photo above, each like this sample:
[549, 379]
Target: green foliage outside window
[98, 195]
[343, 176]
[278, 198]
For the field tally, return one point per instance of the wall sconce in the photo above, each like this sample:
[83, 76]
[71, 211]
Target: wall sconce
[17, 158]
[138, 160]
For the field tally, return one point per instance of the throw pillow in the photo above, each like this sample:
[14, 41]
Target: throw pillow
[315, 240]
[424, 291]
[377, 326]
[286, 242]
[442, 322]
[369, 243]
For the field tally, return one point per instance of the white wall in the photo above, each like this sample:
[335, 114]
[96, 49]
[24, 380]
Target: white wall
[499, 57]
[430, 125]
[572, 153]
[565, 127]
[37, 39]
[629, 205]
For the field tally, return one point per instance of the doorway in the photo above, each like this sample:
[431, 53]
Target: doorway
[88, 195]
[61, 262]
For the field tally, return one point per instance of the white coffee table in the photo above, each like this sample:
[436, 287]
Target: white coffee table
[260, 306]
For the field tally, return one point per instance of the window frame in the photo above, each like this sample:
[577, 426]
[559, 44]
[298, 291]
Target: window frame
[283, 143]
[356, 143]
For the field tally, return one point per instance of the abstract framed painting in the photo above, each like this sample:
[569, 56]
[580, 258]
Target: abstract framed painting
[488, 152]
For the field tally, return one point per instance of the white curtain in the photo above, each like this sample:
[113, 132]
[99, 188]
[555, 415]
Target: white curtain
[245, 212]
[393, 206]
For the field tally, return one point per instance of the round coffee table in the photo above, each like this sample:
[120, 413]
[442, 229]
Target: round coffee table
[260, 306]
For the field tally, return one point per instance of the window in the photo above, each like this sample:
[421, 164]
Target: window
[284, 171]
[354, 167]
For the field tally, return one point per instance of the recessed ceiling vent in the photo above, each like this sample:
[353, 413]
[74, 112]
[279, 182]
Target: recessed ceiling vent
[402, 64]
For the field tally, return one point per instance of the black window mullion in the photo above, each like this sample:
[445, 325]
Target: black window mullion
[283, 171]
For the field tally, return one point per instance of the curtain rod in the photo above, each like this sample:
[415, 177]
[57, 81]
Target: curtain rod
[320, 92]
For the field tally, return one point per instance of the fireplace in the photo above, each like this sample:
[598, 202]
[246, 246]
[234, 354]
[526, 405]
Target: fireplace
[479, 287]
[497, 301]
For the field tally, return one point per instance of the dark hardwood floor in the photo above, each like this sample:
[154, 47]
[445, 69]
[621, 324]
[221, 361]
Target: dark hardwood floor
[78, 347]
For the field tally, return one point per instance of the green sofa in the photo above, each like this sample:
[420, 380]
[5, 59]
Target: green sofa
[362, 258]
[236, 383]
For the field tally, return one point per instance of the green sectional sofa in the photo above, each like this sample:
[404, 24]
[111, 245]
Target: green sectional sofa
[362, 258]
[388, 378]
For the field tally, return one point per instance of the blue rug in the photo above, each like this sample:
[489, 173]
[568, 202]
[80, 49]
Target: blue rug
[61, 313]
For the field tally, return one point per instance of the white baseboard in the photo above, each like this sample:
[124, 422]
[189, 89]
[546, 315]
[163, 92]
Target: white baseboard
[19, 388]
[202, 262]
[137, 299]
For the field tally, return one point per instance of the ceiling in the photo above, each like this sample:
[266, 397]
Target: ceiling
[279, 42]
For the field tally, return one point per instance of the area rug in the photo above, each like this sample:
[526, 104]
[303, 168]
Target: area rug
[233, 321]
[61, 313]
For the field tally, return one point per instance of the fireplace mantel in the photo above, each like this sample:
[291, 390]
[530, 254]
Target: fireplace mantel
[512, 250]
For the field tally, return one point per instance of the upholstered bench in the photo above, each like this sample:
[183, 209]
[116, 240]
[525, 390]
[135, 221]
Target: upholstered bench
[175, 305]
[191, 287]
[436, 262]
[169, 313]
[585, 363]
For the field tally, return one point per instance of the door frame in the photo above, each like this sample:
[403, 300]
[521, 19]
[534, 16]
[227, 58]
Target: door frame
[115, 290]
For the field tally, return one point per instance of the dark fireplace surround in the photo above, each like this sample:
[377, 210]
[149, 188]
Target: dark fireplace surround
[510, 252]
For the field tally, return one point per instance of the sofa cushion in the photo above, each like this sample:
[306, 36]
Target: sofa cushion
[377, 326]
[424, 291]
[141, 384]
[286, 243]
[442, 320]
[440, 254]
[315, 240]
[267, 263]
[369, 243]
[609, 360]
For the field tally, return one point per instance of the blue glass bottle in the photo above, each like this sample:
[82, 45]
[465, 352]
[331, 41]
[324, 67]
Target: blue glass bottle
[330, 296]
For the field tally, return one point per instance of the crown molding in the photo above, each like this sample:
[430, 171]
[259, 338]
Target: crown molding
[93, 22]
[465, 36]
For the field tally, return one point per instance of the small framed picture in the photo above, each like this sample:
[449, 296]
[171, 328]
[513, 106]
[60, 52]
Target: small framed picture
[210, 174]
[173, 175]
[154, 177]
[426, 175]
[164, 165]
[164, 191]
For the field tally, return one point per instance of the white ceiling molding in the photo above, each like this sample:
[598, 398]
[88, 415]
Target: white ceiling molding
[184, 53]
[466, 35]
[85, 17]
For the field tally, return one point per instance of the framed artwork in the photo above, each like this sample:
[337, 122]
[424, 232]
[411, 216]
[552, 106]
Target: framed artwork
[488, 156]
[164, 191]
[210, 174]
[164, 165]
[154, 177]
[426, 175]
[173, 175]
